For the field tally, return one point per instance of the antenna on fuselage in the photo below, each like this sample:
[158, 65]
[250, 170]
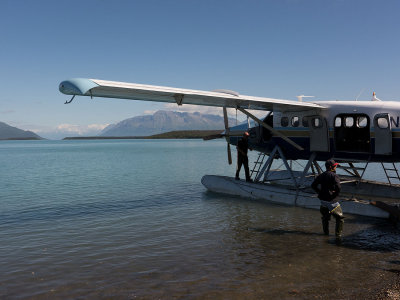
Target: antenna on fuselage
[362, 91]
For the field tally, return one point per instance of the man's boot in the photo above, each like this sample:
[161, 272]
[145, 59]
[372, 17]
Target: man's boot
[325, 226]
[339, 227]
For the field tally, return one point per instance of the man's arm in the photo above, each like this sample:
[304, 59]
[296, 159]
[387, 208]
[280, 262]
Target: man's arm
[337, 188]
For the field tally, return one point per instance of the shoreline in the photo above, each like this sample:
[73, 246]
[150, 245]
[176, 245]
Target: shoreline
[180, 134]
[23, 139]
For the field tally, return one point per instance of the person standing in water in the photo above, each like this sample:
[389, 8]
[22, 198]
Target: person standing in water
[327, 185]
[242, 159]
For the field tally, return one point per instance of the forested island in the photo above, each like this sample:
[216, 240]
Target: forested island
[180, 134]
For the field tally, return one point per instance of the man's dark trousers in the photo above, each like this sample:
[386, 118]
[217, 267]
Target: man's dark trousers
[326, 216]
[243, 160]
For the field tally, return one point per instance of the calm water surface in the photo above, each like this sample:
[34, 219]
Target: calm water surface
[129, 219]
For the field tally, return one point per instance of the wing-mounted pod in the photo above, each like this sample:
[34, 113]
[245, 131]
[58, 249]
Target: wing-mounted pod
[77, 86]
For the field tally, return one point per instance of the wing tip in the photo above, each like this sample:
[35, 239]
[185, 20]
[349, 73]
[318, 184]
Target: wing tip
[77, 86]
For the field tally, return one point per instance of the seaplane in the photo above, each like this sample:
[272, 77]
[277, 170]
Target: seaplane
[354, 133]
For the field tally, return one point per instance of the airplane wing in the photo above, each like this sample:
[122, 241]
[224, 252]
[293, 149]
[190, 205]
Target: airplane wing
[134, 91]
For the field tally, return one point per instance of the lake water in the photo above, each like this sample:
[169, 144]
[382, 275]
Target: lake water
[129, 219]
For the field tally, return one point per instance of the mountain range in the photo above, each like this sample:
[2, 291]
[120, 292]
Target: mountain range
[159, 122]
[8, 132]
[164, 121]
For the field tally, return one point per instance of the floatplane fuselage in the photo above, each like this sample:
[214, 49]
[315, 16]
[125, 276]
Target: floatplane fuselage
[348, 131]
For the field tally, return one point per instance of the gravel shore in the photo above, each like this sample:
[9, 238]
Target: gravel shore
[390, 289]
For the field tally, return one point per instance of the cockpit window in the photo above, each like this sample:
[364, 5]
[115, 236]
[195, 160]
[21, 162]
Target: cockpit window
[383, 123]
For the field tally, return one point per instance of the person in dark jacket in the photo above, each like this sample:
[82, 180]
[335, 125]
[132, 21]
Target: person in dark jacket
[242, 159]
[327, 185]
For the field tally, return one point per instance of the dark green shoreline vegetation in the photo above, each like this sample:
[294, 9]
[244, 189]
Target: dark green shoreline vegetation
[181, 134]
[22, 139]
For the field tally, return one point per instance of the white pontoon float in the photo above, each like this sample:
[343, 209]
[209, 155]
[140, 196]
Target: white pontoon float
[290, 187]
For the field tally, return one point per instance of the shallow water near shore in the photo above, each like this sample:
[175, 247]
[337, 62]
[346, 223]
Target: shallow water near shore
[130, 219]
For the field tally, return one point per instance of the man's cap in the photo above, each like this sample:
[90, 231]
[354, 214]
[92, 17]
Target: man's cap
[330, 163]
[246, 133]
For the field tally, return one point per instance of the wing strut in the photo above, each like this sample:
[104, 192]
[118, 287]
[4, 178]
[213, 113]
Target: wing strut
[285, 138]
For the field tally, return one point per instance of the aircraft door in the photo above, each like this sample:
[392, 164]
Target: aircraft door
[319, 134]
[383, 134]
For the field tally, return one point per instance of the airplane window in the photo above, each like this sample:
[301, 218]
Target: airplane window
[349, 122]
[383, 123]
[338, 122]
[284, 121]
[304, 121]
[316, 122]
[295, 121]
[362, 122]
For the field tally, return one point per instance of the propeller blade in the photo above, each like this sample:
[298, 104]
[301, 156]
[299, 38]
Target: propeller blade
[229, 153]
[226, 119]
[227, 134]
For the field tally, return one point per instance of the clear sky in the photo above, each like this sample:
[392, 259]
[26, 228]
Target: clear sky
[280, 48]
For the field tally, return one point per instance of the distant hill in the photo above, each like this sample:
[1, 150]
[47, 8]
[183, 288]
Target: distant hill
[164, 121]
[8, 132]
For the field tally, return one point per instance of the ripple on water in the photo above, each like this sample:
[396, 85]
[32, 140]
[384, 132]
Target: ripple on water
[130, 219]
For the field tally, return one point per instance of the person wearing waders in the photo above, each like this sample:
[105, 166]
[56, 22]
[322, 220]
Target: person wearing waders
[242, 159]
[327, 185]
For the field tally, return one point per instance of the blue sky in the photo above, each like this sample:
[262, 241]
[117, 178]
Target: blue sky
[330, 49]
